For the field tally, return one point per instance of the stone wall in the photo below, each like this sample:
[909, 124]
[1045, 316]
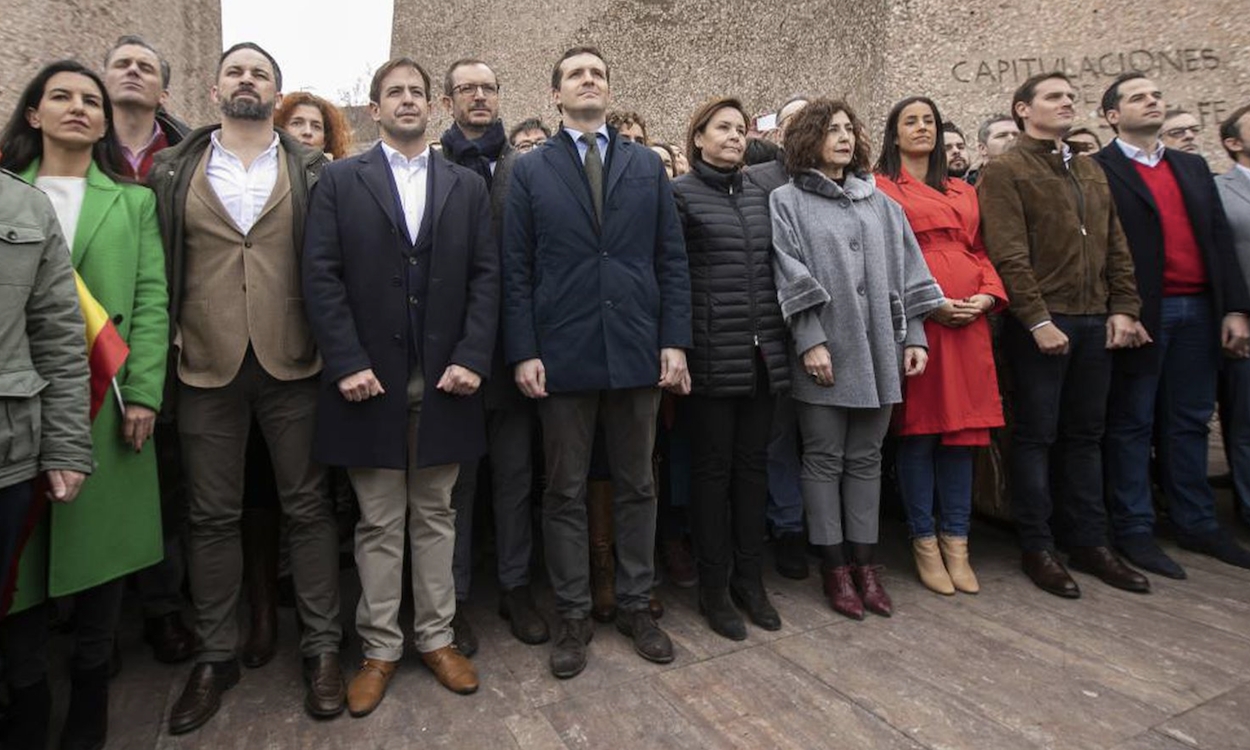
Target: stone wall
[668, 55]
[187, 33]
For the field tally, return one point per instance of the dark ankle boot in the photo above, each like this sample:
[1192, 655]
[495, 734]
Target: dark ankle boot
[260, 577]
[841, 592]
[721, 616]
[29, 709]
[872, 592]
[87, 723]
[602, 559]
[753, 600]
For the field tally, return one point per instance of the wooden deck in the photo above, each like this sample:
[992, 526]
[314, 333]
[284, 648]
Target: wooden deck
[1012, 668]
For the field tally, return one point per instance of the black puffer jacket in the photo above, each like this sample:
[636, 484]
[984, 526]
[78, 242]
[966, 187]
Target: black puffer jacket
[734, 300]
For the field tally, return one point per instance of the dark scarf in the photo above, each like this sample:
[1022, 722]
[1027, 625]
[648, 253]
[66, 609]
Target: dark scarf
[477, 154]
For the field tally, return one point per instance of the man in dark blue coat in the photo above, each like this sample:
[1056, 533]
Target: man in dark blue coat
[596, 320]
[1194, 302]
[401, 282]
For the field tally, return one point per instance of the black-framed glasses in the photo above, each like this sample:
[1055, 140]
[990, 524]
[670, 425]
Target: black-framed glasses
[471, 89]
[1180, 132]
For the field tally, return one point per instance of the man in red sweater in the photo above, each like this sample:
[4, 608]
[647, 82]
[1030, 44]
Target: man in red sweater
[1194, 303]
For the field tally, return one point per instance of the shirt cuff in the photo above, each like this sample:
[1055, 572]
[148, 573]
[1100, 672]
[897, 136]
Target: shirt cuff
[1036, 326]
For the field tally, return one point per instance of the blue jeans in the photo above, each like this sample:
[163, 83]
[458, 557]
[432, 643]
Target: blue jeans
[935, 476]
[785, 498]
[1236, 412]
[1182, 389]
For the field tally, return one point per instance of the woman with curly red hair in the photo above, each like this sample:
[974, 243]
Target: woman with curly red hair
[316, 123]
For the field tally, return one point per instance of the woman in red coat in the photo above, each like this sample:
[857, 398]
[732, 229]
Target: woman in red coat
[952, 406]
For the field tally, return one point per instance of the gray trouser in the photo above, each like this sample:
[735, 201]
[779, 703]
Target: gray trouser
[841, 476]
[213, 424]
[568, 421]
[509, 435]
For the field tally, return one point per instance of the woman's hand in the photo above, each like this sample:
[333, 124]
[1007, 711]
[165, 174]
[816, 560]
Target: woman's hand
[819, 365]
[956, 313]
[915, 359]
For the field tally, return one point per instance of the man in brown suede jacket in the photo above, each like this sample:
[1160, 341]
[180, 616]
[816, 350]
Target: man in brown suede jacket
[1051, 229]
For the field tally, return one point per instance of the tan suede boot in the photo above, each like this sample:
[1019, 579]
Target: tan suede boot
[929, 565]
[955, 553]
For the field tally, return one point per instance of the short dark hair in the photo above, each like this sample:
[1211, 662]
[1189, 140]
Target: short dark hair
[532, 123]
[703, 115]
[585, 49]
[620, 118]
[375, 85]
[950, 127]
[1111, 97]
[760, 151]
[890, 160]
[277, 72]
[1028, 90]
[135, 40]
[1175, 112]
[1230, 128]
[462, 62]
[805, 136]
[983, 132]
[1084, 131]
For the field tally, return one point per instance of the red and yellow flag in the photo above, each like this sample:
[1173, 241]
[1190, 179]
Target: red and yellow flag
[106, 352]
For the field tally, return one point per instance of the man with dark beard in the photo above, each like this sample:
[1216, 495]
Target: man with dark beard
[477, 140]
[231, 199]
[957, 163]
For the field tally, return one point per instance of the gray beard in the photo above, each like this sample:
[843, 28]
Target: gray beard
[246, 109]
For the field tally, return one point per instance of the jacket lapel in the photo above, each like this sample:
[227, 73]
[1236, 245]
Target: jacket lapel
[562, 156]
[620, 155]
[442, 180]
[376, 174]
[101, 194]
[1239, 182]
[203, 190]
[1121, 167]
[281, 186]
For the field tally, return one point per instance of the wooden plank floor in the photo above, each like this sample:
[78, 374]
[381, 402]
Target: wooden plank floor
[1010, 668]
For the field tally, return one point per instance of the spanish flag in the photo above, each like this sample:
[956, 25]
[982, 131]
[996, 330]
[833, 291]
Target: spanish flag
[106, 352]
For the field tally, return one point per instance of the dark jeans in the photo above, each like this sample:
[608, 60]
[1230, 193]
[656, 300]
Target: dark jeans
[15, 506]
[1183, 389]
[1235, 413]
[24, 636]
[785, 496]
[1060, 402]
[932, 477]
[568, 421]
[729, 484]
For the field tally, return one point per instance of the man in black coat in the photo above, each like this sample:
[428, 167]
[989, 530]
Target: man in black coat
[597, 317]
[1194, 301]
[401, 283]
[476, 140]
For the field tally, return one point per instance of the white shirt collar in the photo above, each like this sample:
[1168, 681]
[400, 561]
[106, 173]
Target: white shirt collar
[577, 134]
[271, 150]
[396, 159]
[1245, 171]
[1149, 158]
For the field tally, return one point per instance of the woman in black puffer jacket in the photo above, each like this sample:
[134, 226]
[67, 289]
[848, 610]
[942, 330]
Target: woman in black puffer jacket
[737, 365]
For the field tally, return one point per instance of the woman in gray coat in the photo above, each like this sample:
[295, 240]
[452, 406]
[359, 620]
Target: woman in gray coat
[854, 289]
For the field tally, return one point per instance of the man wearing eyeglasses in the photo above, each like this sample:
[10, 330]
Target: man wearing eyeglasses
[1180, 131]
[477, 140]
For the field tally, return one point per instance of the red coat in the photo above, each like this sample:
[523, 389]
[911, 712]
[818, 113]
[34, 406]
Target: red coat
[957, 396]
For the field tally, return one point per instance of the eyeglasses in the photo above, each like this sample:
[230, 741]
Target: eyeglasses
[1180, 132]
[471, 89]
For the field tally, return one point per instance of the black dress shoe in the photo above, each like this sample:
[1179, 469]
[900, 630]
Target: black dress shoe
[171, 641]
[1142, 551]
[568, 653]
[1048, 574]
[752, 599]
[462, 632]
[87, 723]
[201, 697]
[650, 642]
[791, 551]
[721, 616]
[1102, 563]
[327, 693]
[517, 607]
[1218, 544]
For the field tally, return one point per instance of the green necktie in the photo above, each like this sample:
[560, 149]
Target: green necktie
[594, 172]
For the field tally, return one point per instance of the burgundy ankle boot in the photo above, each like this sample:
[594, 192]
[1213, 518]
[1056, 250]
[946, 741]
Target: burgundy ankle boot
[841, 592]
[875, 599]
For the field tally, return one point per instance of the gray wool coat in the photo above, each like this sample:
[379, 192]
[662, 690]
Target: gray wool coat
[850, 275]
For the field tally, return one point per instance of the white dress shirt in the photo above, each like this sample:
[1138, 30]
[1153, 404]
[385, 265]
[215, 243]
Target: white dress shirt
[243, 191]
[411, 177]
[1245, 171]
[1148, 158]
[66, 194]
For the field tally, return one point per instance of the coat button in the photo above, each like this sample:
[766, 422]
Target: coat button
[860, 289]
[395, 281]
[412, 260]
[12, 235]
[854, 245]
[248, 243]
[117, 319]
[397, 338]
[607, 304]
[412, 299]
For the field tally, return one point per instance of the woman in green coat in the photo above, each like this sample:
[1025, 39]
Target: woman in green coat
[60, 139]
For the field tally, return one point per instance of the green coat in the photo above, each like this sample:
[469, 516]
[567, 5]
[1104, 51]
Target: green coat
[113, 527]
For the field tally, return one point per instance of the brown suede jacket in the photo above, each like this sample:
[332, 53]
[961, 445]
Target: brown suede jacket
[1053, 234]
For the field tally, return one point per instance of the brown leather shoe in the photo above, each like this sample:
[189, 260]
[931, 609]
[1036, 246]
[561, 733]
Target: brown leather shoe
[452, 669]
[201, 697]
[369, 685]
[1048, 574]
[326, 691]
[1103, 563]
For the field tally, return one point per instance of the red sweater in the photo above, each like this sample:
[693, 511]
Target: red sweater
[1183, 270]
